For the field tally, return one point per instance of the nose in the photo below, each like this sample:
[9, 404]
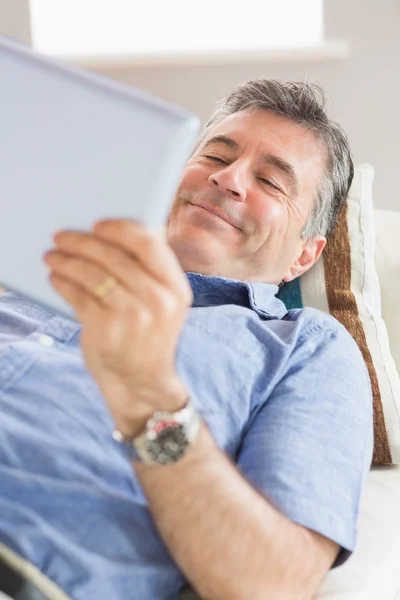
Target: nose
[230, 181]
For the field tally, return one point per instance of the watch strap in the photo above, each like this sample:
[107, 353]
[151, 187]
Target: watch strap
[143, 448]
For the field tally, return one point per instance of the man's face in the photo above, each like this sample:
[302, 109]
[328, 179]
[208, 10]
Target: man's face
[260, 171]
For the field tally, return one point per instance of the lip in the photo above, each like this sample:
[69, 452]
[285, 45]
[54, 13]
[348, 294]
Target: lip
[215, 211]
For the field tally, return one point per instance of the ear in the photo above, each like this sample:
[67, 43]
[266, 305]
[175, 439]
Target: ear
[311, 251]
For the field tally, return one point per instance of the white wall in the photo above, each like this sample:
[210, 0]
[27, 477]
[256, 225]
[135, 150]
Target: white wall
[363, 91]
[14, 19]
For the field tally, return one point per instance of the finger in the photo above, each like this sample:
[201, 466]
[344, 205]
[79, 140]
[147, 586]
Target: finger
[102, 253]
[109, 260]
[81, 302]
[84, 274]
[149, 248]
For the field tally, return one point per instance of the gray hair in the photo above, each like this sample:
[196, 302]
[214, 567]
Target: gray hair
[303, 103]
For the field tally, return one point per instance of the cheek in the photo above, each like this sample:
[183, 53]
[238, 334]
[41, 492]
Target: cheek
[193, 175]
[192, 180]
[270, 214]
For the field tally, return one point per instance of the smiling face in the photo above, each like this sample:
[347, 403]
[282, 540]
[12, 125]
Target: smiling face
[259, 171]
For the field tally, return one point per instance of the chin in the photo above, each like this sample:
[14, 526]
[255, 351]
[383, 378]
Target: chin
[197, 250]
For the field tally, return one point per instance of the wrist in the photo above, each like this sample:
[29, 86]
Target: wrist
[131, 411]
[167, 437]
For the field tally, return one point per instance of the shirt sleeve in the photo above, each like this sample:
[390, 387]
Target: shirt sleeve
[308, 447]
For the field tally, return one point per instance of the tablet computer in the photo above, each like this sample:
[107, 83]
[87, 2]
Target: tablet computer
[76, 147]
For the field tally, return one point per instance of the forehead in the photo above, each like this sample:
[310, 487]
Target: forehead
[260, 132]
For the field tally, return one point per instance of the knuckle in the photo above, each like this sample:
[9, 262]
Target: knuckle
[138, 315]
[144, 318]
[148, 238]
[114, 329]
[134, 232]
[112, 322]
[168, 303]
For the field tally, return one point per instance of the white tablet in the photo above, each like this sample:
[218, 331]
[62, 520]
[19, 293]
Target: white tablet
[76, 147]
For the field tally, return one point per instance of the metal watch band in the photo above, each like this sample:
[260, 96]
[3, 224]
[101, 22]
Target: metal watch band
[166, 438]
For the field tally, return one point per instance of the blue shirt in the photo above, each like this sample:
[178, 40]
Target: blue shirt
[285, 395]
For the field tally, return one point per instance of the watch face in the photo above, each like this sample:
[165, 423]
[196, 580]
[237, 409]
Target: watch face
[167, 442]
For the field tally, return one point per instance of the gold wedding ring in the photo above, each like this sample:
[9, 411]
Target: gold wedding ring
[104, 288]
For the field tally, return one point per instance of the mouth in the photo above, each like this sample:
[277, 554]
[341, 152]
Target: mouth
[215, 211]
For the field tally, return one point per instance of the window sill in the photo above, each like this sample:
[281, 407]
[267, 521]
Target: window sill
[328, 51]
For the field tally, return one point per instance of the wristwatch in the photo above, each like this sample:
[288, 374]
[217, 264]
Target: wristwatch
[166, 438]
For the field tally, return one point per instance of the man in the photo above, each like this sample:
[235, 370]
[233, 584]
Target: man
[256, 493]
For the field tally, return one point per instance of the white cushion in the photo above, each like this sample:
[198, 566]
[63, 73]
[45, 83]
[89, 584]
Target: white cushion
[373, 571]
[344, 282]
[366, 288]
[387, 260]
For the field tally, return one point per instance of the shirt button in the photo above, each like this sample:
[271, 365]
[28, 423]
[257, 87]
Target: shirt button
[46, 340]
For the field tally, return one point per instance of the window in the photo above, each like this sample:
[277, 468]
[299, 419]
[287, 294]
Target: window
[90, 28]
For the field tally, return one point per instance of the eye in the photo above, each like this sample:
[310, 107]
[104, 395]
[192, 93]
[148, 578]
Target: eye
[269, 183]
[216, 159]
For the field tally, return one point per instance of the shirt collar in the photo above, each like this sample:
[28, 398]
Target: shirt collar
[210, 290]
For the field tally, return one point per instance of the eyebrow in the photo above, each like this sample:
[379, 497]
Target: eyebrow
[268, 159]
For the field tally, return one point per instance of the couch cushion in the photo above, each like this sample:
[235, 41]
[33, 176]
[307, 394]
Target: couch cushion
[344, 283]
[373, 570]
[387, 260]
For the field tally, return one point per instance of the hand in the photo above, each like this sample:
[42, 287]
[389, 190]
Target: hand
[129, 337]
